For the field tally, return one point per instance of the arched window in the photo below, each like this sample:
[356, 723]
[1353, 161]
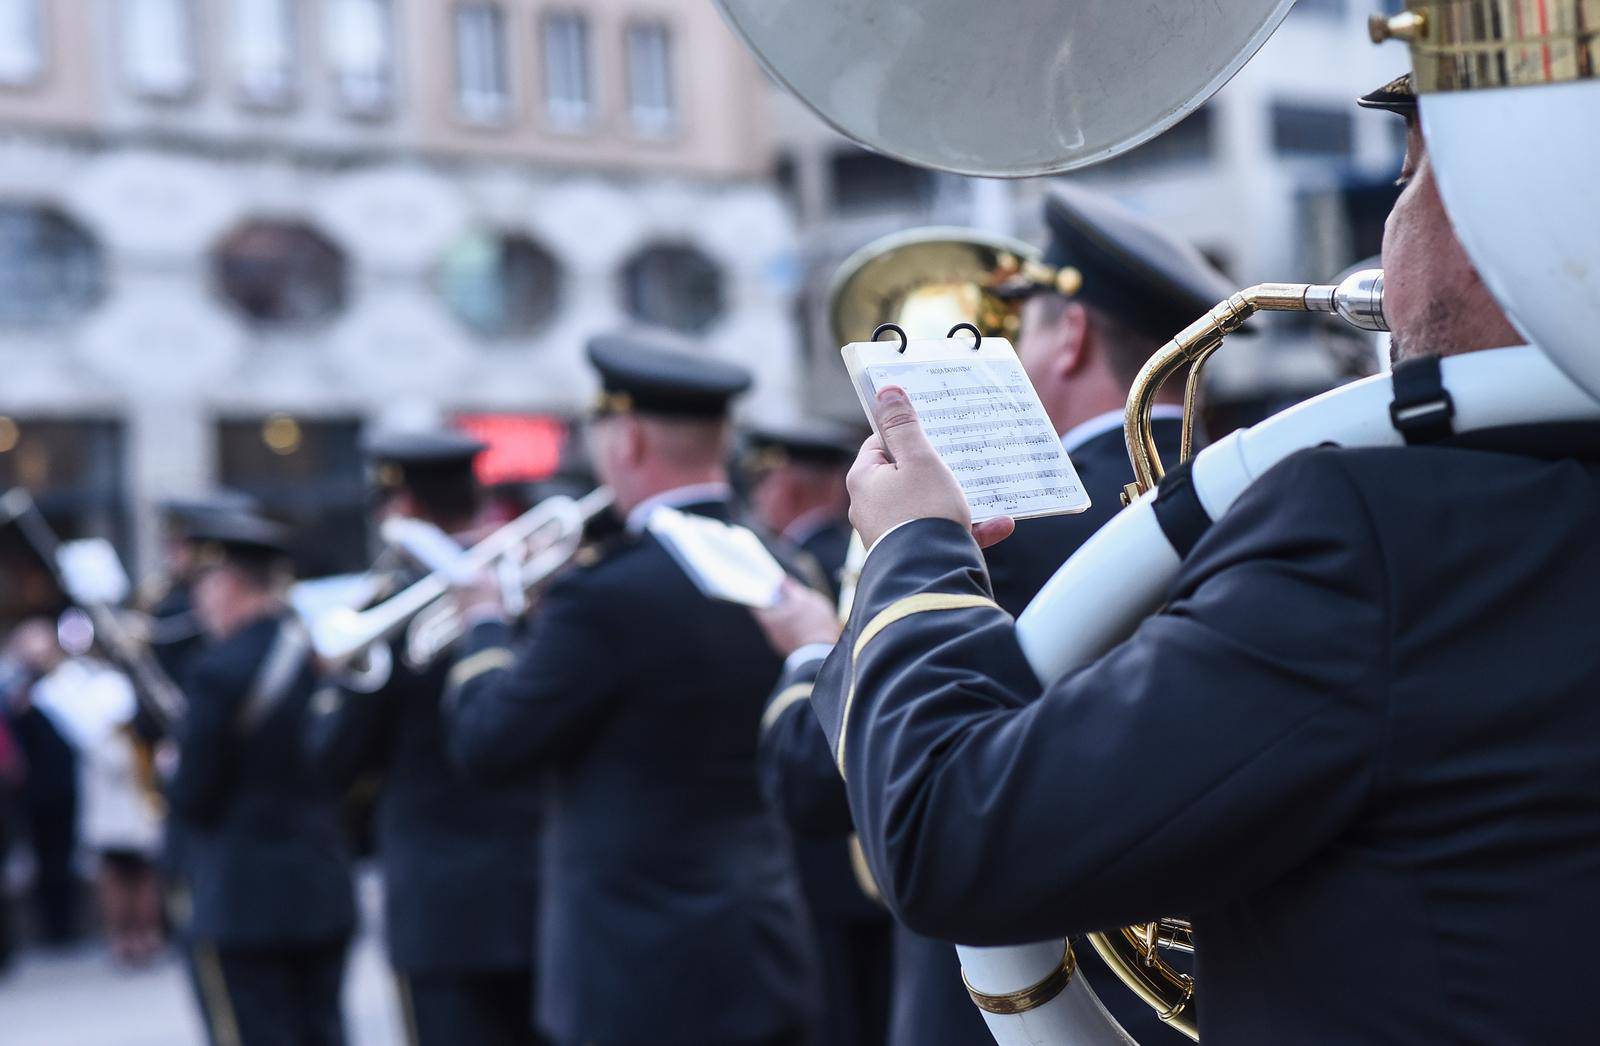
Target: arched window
[500, 286]
[280, 274]
[673, 285]
[51, 269]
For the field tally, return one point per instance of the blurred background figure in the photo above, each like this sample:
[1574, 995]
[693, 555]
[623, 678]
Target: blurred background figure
[120, 813]
[175, 634]
[263, 853]
[13, 771]
[795, 480]
[49, 800]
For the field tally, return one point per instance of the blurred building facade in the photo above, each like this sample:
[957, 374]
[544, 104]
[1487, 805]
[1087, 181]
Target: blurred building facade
[236, 233]
[1278, 178]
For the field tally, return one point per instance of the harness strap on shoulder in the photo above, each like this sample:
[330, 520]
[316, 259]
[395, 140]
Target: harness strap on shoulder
[1422, 409]
[277, 674]
[1178, 510]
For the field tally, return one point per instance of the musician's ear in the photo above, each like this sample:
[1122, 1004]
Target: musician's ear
[1072, 335]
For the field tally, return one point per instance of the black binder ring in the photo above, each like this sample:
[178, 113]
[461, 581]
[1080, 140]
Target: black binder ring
[977, 335]
[904, 341]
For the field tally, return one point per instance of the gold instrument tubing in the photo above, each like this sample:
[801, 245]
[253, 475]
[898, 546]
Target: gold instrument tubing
[1191, 349]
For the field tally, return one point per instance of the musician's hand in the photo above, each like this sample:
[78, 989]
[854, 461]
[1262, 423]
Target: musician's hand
[899, 477]
[479, 599]
[803, 616]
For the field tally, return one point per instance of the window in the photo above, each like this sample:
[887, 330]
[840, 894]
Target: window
[674, 286]
[866, 182]
[360, 49]
[21, 43]
[1187, 141]
[76, 469]
[483, 83]
[158, 55]
[1309, 130]
[500, 286]
[264, 52]
[651, 104]
[51, 271]
[280, 274]
[568, 93]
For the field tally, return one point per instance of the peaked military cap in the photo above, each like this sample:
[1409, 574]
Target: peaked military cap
[1397, 96]
[1130, 266]
[808, 442]
[238, 537]
[400, 459]
[186, 513]
[655, 372]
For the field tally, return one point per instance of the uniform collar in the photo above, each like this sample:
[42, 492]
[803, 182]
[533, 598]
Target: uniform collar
[808, 525]
[1080, 434]
[677, 497]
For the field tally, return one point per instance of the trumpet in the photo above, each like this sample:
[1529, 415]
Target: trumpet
[523, 555]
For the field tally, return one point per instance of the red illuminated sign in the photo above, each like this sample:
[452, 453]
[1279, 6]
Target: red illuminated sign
[523, 448]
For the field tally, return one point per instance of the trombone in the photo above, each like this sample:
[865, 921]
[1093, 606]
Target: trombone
[523, 555]
[92, 578]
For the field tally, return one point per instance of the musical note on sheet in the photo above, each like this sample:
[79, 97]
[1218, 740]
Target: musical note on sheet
[986, 422]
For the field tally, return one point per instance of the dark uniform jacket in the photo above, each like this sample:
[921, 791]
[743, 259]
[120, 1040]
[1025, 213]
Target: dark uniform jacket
[263, 851]
[670, 908]
[829, 545]
[1360, 748]
[460, 859]
[176, 639]
[931, 1005]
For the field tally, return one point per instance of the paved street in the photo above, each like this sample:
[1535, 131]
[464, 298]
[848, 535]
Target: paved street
[78, 998]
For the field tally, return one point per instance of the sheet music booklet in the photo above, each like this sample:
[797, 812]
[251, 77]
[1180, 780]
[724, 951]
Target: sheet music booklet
[983, 417]
[725, 561]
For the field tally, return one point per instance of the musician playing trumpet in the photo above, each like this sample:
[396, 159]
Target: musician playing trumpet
[1359, 748]
[460, 860]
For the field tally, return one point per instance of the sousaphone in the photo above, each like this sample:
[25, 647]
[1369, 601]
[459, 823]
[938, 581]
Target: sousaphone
[1014, 88]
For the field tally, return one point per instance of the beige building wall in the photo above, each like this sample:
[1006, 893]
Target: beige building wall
[65, 94]
[718, 93]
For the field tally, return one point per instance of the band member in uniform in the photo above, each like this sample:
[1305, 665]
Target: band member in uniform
[795, 476]
[1081, 353]
[263, 852]
[176, 639]
[1360, 739]
[175, 635]
[459, 859]
[670, 911]
[797, 493]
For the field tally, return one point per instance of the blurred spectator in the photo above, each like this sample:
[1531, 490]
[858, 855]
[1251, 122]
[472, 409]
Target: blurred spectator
[13, 768]
[120, 825]
[49, 800]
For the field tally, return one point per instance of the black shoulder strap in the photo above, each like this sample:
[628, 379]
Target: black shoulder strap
[1422, 409]
[1178, 510]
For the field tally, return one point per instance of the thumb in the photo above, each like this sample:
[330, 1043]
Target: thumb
[902, 433]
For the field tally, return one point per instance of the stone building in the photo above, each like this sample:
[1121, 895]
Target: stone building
[235, 233]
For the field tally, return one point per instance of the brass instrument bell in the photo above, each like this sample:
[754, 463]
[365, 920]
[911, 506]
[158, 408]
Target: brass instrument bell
[929, 280]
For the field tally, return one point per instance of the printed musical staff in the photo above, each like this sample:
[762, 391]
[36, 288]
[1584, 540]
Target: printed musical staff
[983, 418]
